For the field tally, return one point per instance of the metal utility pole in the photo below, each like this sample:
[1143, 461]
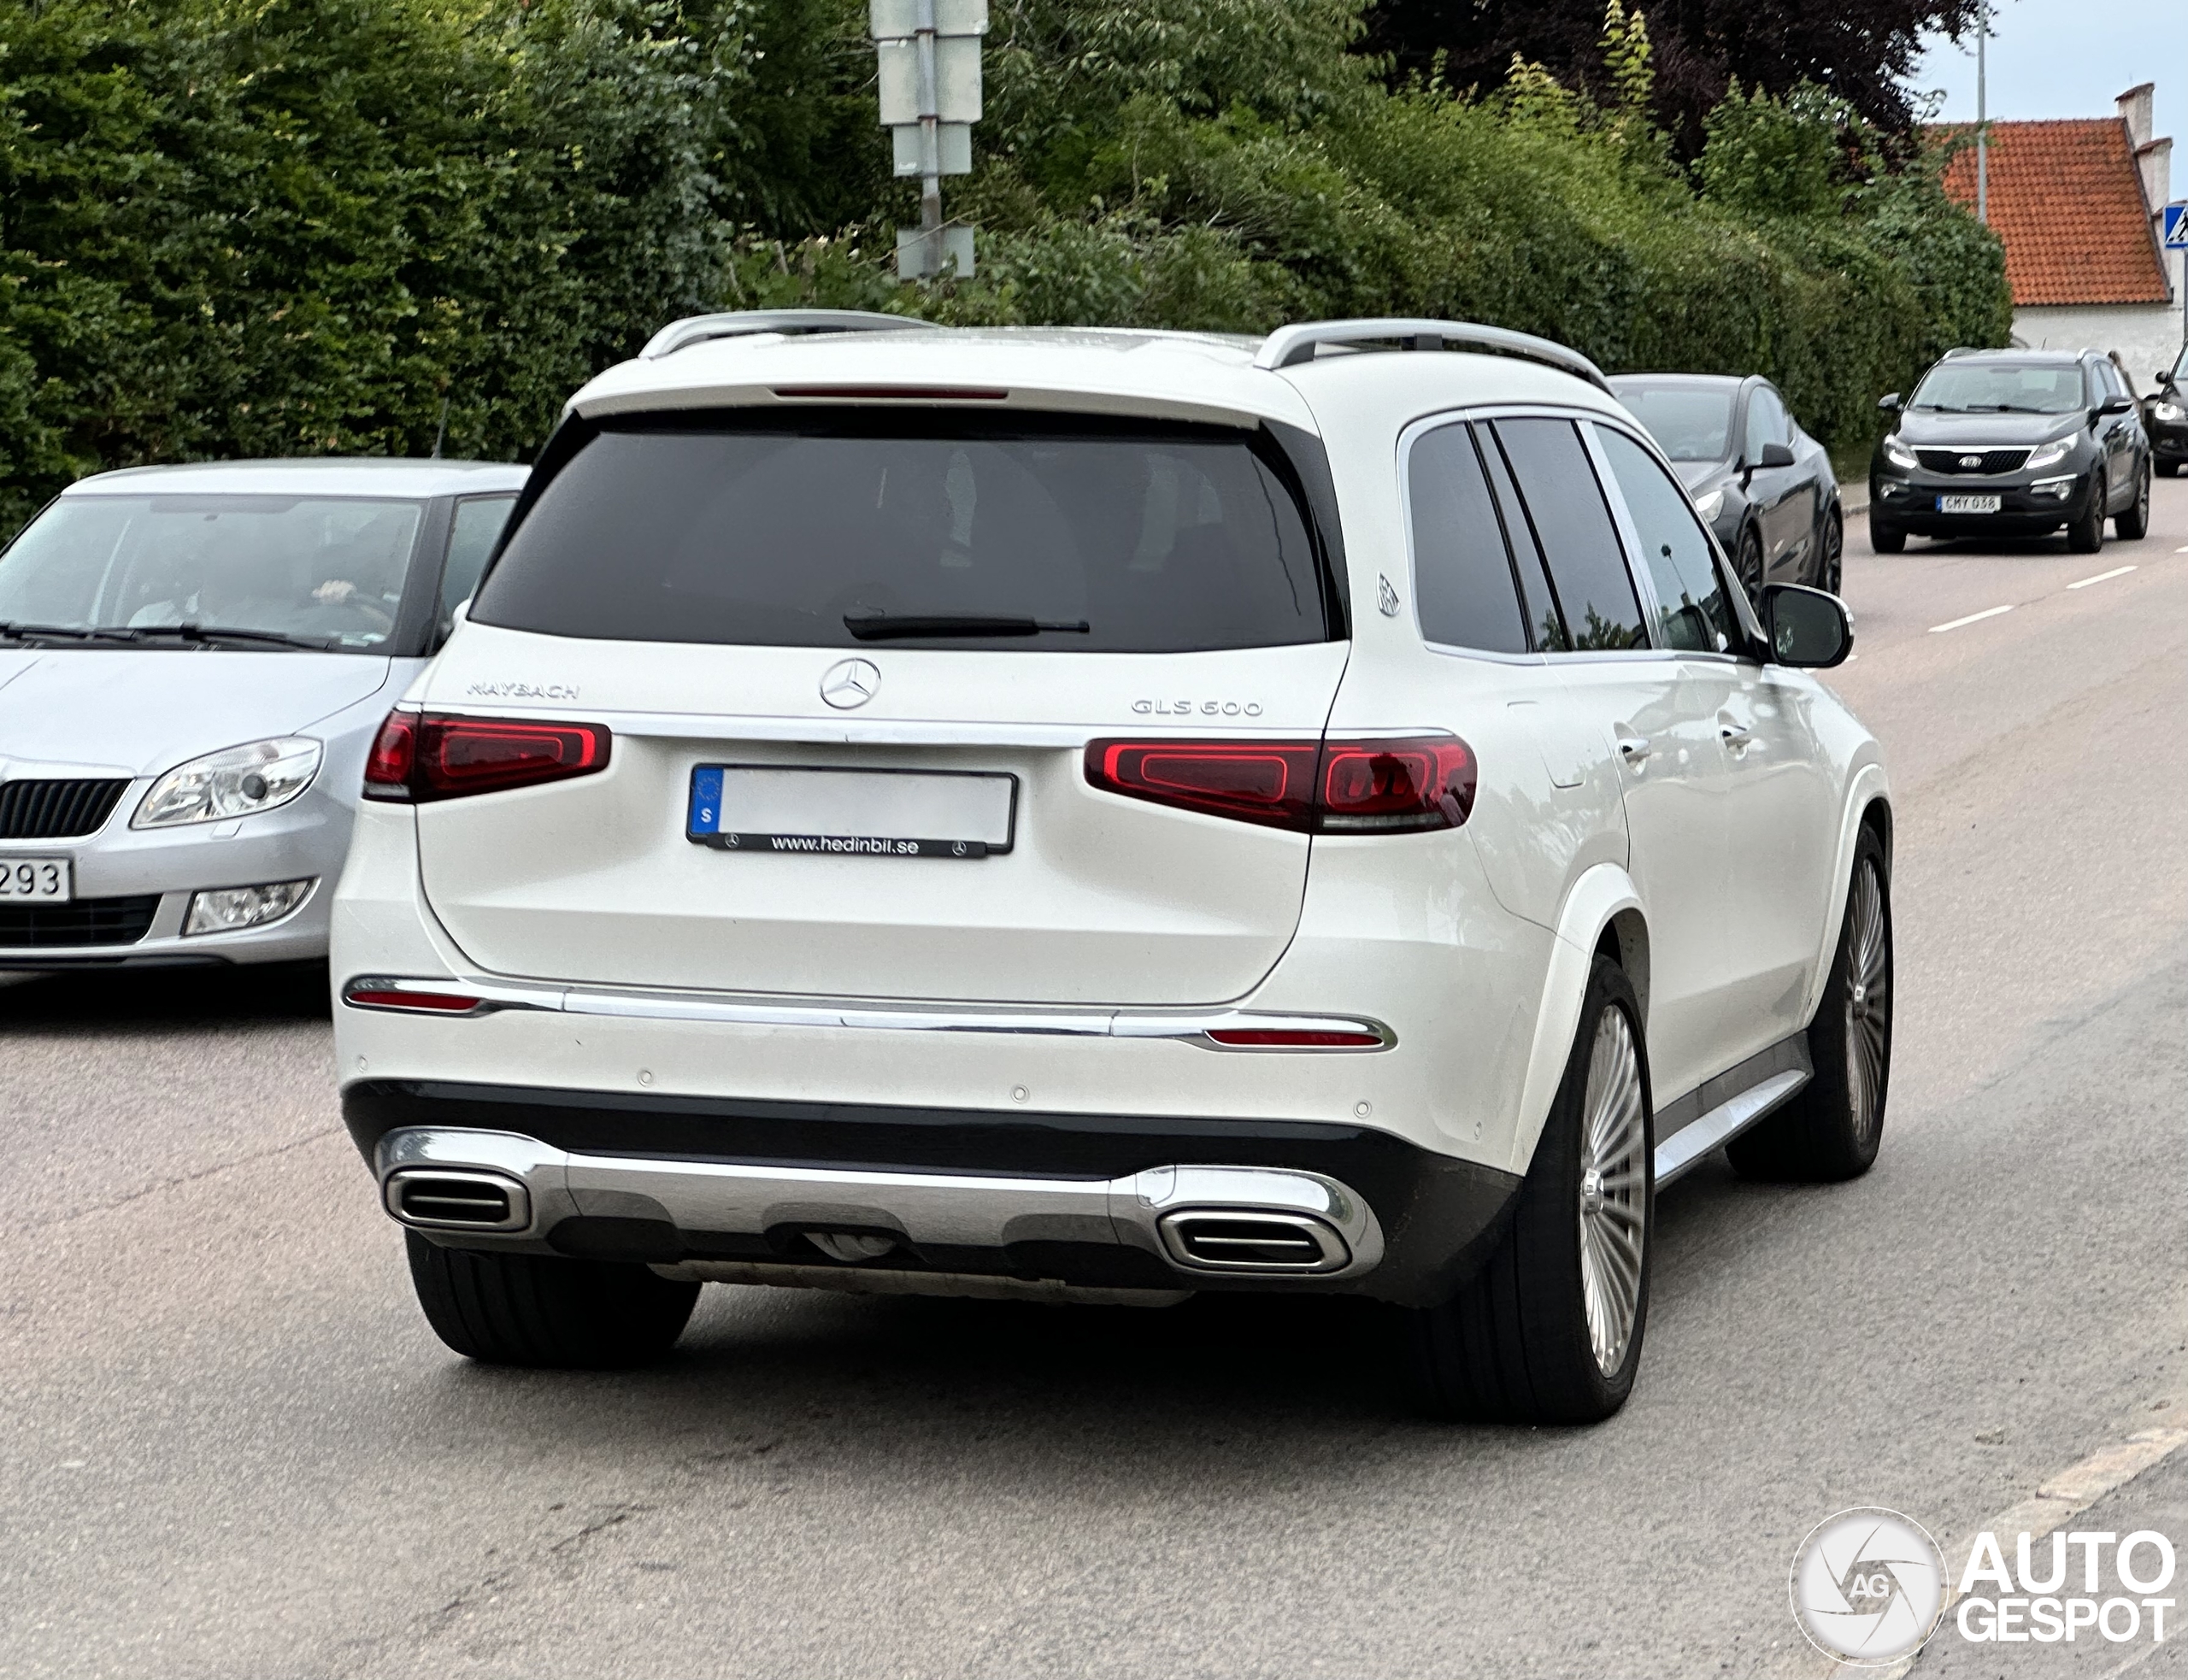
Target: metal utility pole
[1982, 116]
[930, 84]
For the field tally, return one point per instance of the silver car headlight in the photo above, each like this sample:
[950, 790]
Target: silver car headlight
[234, 782]
[2170, 411]
[2051, 453]
[1711, 505]
[1899, 454]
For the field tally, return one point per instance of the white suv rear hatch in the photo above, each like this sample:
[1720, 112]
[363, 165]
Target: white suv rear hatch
[1013, 586]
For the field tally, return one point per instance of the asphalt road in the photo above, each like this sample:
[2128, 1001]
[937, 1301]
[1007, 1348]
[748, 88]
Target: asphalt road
[230, 1447]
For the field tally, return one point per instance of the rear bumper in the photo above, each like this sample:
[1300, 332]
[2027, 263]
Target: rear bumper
[1084, 1201]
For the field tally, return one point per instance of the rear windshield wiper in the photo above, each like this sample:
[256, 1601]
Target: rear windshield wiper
[207, 634]
[893, 627]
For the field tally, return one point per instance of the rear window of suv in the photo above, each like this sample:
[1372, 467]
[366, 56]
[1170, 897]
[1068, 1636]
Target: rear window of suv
[852, 529]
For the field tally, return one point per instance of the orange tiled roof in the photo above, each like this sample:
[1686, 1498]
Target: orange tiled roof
[2067, 199]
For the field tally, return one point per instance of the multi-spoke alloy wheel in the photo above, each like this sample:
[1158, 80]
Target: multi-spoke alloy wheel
[1550, 1330]
[1868, 1003]
[1613, 1190]
[1832, 1128]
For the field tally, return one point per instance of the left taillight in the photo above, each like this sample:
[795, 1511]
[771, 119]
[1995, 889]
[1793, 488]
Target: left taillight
[428, 755]
[1395, 785]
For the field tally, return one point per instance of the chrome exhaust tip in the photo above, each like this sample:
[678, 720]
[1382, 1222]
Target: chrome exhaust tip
[1243, 1239]
[458, 1199]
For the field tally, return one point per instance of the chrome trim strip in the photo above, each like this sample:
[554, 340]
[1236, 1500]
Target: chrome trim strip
[1192, 1027]
[1722, 1124]
[944, 1209]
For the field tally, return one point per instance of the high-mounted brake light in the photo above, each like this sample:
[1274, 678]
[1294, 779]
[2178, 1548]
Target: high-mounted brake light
[1326, 787]
[425, 756]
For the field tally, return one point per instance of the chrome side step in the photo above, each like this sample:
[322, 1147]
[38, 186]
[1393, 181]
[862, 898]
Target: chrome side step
[1679, 1152]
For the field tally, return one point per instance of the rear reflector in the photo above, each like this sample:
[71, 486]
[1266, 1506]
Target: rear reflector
[424, 756]
[1294, 1039]
[1383, 786]
[420, 1002]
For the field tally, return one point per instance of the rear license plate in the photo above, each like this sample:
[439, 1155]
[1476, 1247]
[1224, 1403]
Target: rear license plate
[1968, 504]
[44, 879]
[752, 807]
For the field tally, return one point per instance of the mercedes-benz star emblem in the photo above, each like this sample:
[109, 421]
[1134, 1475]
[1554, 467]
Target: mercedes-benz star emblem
[849, 682]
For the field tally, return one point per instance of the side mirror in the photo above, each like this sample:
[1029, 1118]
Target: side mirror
[1806, 627]
[1889, 402]
[2116, 405]
[1776, 455]
[2165, 378]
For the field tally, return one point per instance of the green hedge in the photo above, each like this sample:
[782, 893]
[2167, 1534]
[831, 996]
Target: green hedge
[294, 227]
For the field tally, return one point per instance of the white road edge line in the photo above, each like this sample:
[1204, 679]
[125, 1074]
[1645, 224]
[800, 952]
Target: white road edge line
[2116, 572]
[1973, 617]
[2059, 1498]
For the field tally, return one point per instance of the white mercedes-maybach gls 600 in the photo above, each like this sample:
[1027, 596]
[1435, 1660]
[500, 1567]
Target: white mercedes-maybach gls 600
[1097, 815]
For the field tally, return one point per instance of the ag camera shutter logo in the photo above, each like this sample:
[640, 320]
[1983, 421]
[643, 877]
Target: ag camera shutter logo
[1868, 1586]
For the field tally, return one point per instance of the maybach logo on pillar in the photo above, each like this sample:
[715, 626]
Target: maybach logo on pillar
[1870, 1587]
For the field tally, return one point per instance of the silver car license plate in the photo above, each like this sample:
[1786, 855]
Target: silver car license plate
[36, 879]
[1968, 504]
[754, 807]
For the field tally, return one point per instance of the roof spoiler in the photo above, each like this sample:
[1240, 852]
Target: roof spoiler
[1290, 345]
[680, 335]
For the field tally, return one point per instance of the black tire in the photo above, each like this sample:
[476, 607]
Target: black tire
[1830, 570]
[1885, 540]
[2086, 535]
[1831, 1130]
[1747, 563]
[2134, 522]
[542, 1310]
[1514, 1345]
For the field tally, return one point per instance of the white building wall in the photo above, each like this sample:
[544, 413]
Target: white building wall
[2148, 336]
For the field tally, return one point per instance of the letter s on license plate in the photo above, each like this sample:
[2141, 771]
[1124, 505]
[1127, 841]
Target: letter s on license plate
[42, 878]
[1968, 504]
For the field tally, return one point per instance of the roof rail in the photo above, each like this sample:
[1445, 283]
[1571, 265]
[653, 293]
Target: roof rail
[1297, 344]
[680, 335]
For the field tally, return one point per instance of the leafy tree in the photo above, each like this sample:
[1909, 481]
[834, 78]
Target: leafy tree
[1860, 50]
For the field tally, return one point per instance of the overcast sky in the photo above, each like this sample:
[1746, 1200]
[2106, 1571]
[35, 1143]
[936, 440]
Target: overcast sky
[2072, 58]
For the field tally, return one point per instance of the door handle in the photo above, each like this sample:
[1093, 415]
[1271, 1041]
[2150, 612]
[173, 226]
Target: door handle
[1633, 748]
[1734, 734]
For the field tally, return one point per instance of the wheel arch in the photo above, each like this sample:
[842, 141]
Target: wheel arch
[1868, 809]
[1604, 915]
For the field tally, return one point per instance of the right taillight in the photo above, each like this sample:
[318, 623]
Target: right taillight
[1375, 786]
[425, 756]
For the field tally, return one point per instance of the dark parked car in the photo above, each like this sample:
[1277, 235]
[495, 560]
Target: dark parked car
[2013, 443]
[1764, 486]
[2165, 417]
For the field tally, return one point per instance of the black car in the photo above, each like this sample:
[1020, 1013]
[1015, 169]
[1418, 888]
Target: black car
[1762, 485]
[2165, 417]
[2012, 443]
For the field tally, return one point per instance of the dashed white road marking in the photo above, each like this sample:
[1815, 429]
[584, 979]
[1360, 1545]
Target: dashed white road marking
[1973, 617]
[2116, 572]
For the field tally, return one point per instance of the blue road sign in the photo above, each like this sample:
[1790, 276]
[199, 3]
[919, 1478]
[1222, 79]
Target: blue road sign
[2176, 227]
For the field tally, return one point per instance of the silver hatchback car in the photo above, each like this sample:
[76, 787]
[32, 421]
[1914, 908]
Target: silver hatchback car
[194, 663]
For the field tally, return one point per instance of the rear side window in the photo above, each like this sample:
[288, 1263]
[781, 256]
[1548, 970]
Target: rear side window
[1571, 522]
[1463, 586]
[851, 529]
